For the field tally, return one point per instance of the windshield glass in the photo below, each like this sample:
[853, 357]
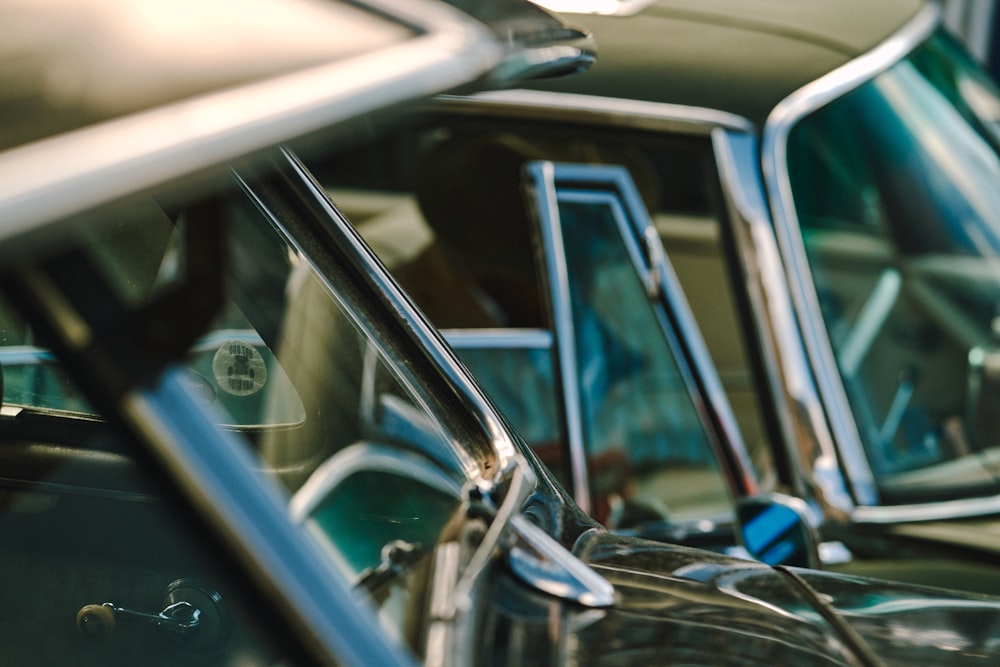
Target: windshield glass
[896, 186]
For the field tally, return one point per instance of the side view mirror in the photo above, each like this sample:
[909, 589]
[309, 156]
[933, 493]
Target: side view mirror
[775, 529]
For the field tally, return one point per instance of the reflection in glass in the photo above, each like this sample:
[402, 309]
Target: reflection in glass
[896, 191]
[645, 441]
[285, 362]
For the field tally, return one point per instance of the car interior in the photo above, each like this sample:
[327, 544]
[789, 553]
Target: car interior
[103, 562]
[388, 190]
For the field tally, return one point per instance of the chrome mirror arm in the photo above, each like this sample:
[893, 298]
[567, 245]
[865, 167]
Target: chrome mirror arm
[532, 555]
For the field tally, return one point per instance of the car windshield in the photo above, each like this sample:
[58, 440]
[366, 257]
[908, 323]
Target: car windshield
[896, 186]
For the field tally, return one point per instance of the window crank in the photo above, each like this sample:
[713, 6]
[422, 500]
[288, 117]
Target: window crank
[191, 613]
[98, 621]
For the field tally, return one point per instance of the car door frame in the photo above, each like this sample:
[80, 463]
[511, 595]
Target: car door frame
[550, 183]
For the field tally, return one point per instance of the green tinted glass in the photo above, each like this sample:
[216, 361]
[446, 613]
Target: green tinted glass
[896, 187]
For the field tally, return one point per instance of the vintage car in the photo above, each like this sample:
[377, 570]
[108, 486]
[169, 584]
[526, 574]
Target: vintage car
[227, 437]
[824, 180]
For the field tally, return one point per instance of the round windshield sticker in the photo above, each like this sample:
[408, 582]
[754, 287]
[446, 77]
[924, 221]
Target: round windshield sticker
[239, 369]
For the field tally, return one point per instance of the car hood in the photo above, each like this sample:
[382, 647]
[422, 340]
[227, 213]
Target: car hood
[702, 607]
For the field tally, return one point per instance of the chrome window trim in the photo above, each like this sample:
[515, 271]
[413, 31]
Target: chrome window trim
[593, 109]
[502, 338]
[797, 404]
[367, 456]
[691, 357]
[55, 177]
[558, 276]
[936, 511]
[599, 7]
[774, 144]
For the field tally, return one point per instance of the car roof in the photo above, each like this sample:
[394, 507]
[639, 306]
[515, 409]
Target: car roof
[736, 56]
[100, 99]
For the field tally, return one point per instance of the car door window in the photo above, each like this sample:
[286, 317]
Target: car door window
[646, 443]
[517, 368]
[290, 363]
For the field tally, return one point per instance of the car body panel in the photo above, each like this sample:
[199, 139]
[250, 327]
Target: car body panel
[729, 56]
[872, 608]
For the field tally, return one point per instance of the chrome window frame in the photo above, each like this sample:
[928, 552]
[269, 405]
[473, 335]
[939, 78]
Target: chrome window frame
[367, 457]
[805, 435]
[611, 185]
[473, 400]
[499, 338]
[806, 306]
[540, 105]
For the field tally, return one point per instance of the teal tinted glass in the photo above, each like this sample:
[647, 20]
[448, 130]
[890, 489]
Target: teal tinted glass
[521, 380]
[896, 186]
[377, 507]
[644, 437]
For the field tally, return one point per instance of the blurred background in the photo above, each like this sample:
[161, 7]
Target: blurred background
[975, 21]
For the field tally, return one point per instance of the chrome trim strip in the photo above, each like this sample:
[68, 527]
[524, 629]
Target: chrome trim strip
[55, 177]
[704, 385]
[521, 339]
[542, 562]
[599, 7]
[367, 456]
[680, 330]
[773, 157]
[804, 432]
[543, 176]
[946, 510]
[635, 114]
